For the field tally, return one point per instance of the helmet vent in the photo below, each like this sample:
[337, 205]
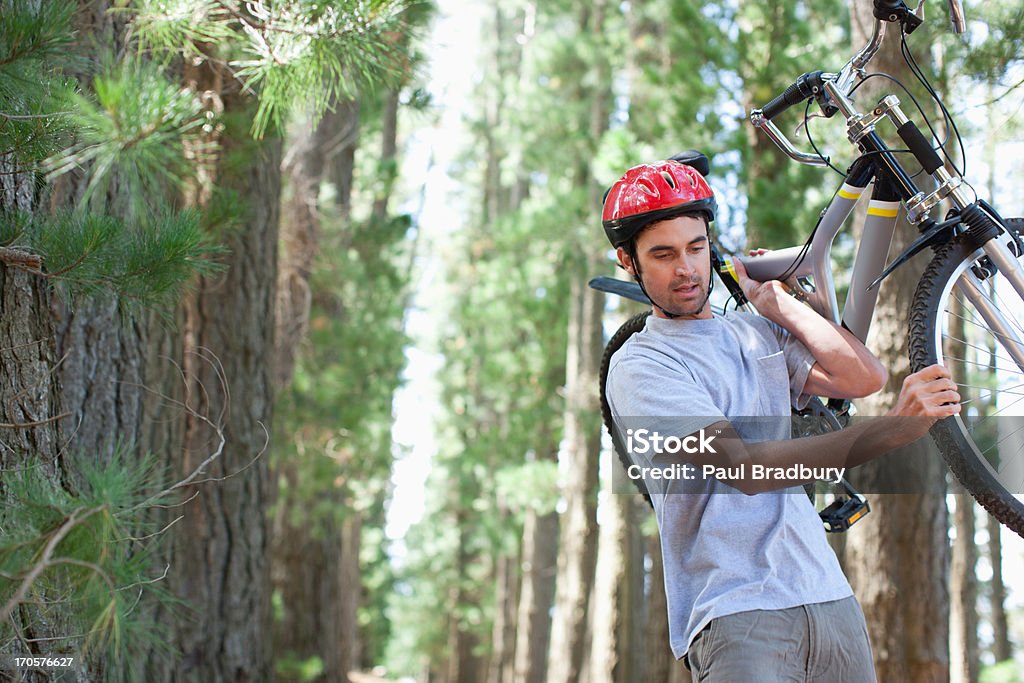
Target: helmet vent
[646, 187]
[669, 179]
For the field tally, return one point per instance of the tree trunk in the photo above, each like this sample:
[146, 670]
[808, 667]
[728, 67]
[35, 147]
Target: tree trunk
[997, 593]
[30, 404]
[901, 547]
[963, 617]
[311, 570]
[577, 550]
[220, 548]
[614, 604]
[533, 630]
[351, 592]
[387, 163]
[464, 665]
[506, 590]
[658, 653]
[578, 546]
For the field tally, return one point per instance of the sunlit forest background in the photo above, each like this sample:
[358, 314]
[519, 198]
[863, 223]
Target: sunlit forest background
[298, 361]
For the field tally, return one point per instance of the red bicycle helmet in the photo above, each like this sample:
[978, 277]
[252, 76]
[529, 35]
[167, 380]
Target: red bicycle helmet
[653, 192]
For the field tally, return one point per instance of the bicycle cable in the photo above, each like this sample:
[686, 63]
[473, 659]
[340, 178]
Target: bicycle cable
[810, 139]
[911, 62]
[878, 74]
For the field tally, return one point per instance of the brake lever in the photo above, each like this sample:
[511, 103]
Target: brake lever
[806, 120]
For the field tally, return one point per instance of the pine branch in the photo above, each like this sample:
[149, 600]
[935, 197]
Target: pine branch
[44, 561]
[21, 259]
[29, 425]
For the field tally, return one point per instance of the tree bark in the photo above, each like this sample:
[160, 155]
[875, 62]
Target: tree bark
[963, 617]
[311, 570]
[219, 553]
[615, 605]
[389, 148]
[533, 632]
[506, 589]
[577, 549]
[997, 593]
[464, 666]
[30, 405]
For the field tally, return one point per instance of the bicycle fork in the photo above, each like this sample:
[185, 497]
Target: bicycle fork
[983, 226]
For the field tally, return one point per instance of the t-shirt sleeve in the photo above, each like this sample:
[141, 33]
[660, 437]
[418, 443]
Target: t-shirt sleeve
[799, 362]
[645, 390]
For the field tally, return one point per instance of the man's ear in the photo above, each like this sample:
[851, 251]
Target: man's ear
[625, 261]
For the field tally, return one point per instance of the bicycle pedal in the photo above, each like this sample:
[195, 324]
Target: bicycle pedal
[844, 513]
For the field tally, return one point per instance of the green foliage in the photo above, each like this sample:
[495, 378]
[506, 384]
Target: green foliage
[310, 53]
[339, 404]
[147, 263]
[34, 95]
[135, 125]
[294, 669]
[293, 55]
[74, 555]
[989, 60]
[337, 413]
[1003, 672]
[170, 26]
[532, 485]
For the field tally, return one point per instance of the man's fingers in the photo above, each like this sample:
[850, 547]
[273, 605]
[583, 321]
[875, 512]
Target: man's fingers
[933, 372]
[741, 270]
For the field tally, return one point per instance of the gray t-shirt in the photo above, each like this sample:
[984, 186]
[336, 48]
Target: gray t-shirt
[724, 552]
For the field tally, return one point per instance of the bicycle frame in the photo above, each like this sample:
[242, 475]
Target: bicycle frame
[893, 186]
[869, 261]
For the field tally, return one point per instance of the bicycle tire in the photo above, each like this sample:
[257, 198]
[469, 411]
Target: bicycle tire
[627, 330]
[954, 436]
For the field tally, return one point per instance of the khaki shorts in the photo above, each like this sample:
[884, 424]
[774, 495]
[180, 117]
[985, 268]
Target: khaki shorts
[825, 642]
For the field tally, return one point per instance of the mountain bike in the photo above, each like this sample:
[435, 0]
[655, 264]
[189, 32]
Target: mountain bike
[968, 307]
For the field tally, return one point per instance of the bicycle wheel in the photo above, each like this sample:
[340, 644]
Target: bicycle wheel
[628, 329]
[984, 445]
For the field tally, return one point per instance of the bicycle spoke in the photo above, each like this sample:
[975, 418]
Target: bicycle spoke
[988, 417]
[995, 290]
[983, 349]
[996, 444]
[993, 391]
[984, 327]
[980, 364]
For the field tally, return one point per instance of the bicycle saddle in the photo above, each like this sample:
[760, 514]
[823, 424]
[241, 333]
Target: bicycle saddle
[695, 159]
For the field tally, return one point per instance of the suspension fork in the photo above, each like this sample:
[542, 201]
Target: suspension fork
[982, 227]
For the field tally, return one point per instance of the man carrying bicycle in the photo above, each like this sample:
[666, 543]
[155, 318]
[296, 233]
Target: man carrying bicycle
[754, 591]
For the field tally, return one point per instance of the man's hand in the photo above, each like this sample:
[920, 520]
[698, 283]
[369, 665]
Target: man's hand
[927, 396]
[764, 295]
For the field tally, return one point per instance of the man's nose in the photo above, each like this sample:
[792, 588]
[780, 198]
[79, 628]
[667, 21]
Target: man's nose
[685, 266]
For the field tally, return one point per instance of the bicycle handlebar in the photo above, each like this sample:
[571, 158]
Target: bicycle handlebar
[812, 84]
[804, 88]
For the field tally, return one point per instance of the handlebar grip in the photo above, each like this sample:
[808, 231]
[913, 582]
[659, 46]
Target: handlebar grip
[800, 91]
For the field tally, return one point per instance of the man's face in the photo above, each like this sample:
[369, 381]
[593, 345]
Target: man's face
[676, 266]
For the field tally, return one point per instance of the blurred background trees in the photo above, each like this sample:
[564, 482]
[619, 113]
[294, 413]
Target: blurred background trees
[220, 255]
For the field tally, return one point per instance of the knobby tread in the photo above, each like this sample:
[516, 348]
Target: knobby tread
[956, 449]
[627, 330]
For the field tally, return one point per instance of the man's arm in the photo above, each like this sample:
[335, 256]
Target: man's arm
[843, 368]
[926, 396]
